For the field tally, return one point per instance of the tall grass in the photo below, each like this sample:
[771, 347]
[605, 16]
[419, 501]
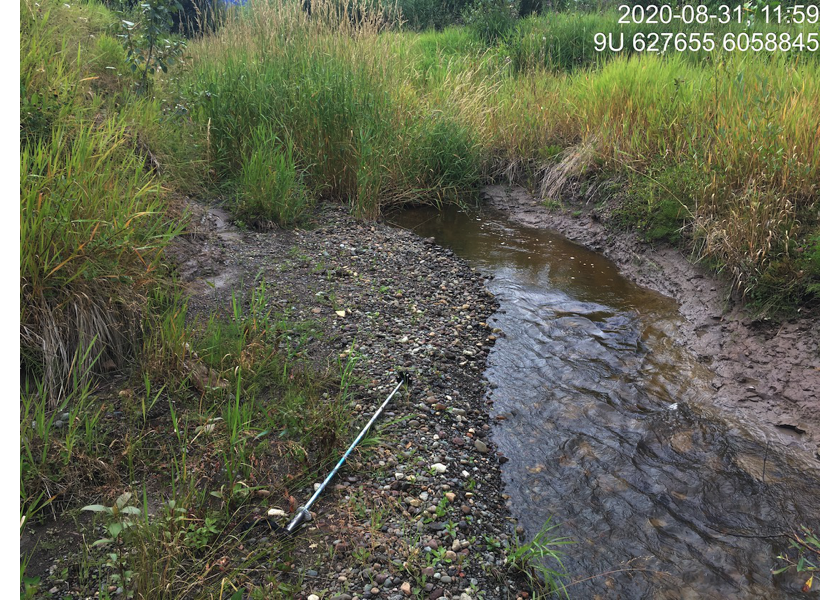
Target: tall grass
[328, 85]
[92, 215]
[565, 41]
[724, 147]
[270, 188]
[92, 229]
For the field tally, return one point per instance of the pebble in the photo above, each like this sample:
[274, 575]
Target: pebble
[438, 289]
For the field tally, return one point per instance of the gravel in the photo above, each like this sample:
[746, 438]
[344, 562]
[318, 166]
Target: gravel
[394, 301]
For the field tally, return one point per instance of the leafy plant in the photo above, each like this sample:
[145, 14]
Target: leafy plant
[805, 557]
[148, 44]
[120, 518]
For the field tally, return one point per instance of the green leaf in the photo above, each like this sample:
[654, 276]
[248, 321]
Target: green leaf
[123, 499]
[103, 542]
[115, 529]
[96, 508]
[130, 510]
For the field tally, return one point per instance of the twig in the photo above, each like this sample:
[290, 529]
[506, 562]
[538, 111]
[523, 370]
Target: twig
[604, 574]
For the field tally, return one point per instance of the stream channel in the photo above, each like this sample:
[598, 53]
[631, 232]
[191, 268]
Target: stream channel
[611, 431]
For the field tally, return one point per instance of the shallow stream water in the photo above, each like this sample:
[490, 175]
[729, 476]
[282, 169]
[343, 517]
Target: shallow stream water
[611, 430]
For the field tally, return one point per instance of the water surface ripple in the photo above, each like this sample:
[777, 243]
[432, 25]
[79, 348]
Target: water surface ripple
[611, 430]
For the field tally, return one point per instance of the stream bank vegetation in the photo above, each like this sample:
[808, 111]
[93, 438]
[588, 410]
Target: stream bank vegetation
[375, 105]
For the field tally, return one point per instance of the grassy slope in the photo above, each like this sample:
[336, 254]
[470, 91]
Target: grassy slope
[98, 162]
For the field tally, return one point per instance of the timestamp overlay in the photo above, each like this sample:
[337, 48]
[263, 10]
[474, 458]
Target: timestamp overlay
[697, 28]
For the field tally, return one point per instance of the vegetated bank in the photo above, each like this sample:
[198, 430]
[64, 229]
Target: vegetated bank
[279, 111]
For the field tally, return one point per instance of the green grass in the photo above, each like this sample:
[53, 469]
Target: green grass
[565, 41]
[93, 222]
[540, 562]
[355, 134]
[270, 187]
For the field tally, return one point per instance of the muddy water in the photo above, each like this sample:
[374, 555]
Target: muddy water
[612, 432]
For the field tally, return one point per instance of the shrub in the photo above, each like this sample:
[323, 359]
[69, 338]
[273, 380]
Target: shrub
[492, 20]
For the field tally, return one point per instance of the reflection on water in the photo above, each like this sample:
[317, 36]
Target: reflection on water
[611, 432]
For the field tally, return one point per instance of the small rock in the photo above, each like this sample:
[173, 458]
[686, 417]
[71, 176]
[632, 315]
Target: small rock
[450, 555]
[450, 496]
[405, 588]
[313, 597]
[481, 446]
[439, 468]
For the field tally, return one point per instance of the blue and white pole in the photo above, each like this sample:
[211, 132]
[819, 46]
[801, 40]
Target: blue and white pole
[303, 514]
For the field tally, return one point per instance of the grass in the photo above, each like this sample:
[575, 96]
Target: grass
[208, 452]
[93, 222]
[540, 561]
[325, 91]
[381, 118]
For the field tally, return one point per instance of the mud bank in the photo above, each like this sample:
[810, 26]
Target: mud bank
[766, 373]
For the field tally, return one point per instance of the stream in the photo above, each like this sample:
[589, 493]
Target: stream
[611, 430]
